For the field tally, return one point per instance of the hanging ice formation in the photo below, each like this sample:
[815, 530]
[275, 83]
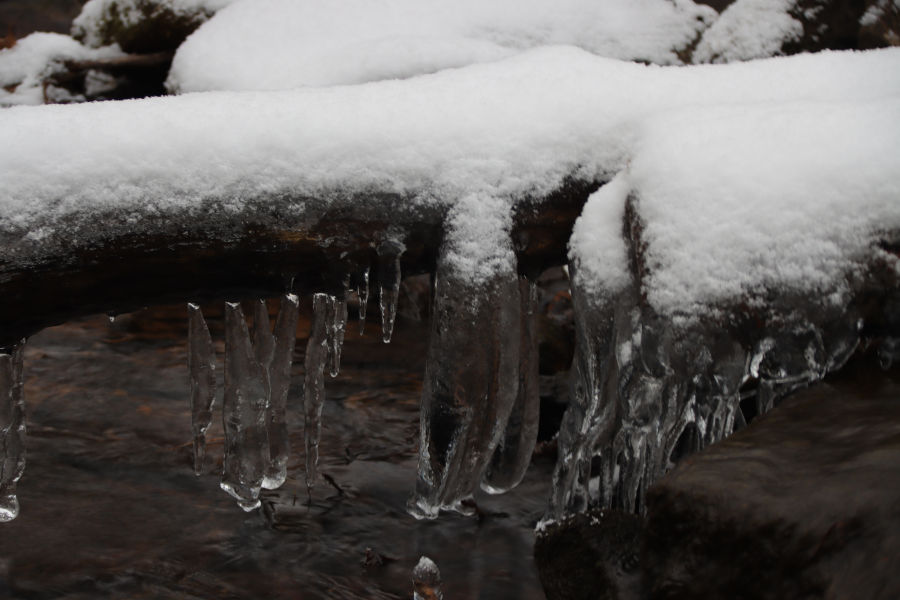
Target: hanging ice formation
[257, 378]
[201, 366]
[317, 351]
[389, 252]
[12, 429]
[473, 363]
[648, 389]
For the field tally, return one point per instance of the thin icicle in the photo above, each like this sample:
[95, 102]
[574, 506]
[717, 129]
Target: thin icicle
[513, 454]
[12, 429]
[389, 276]
[336, 327]
[279, 385]
[243, 413]
[362, 291]
[202, 369]
[314, 388]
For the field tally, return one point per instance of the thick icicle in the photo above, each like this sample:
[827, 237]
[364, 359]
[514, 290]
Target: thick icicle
[469, 389]
[362, 291]
[314, 387]
[263, 342]
[243, 413]
[279, 368]
[389, 276]
[12, 429]
[202, 369]
[513, 454]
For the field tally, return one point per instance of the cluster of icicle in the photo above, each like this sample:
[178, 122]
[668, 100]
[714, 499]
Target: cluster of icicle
[648, 390]
[258, 376]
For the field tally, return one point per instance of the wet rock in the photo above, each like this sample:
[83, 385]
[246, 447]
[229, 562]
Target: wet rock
[139, 26]
[591, 555]
[803, 503]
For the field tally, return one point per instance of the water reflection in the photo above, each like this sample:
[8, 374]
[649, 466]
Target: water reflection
[111, 508]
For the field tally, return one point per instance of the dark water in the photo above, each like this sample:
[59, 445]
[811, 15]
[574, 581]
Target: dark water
[110, 507]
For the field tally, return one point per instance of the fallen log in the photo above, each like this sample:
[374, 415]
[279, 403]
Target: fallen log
[250, 256]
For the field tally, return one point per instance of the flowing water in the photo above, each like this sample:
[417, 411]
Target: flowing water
[111, 508]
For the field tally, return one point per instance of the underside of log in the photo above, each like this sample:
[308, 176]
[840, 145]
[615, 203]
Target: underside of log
[249, 257]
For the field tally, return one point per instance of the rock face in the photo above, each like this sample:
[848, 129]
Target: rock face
[138, 26]
[803, 503]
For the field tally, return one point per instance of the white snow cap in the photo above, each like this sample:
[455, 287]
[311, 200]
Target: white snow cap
[36, 56]
[749, 29]
[726, 146]
[284, 44]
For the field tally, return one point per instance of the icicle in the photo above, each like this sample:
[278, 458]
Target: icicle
[279, 384]
[201, 365]
[314, 388]
[427, 580]
[111, 316]
[243, 413]
[12, 429]
[335, 328]
[389, 275]
[362, 291]
[469, 389]
[513, 454]
[263, 342]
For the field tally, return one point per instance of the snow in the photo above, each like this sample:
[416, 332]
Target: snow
[89, 25]
[712, 153]
[36, 56]
[285, 44]
[749, 29]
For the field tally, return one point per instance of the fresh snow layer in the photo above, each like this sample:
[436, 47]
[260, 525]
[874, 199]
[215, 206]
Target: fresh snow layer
[23, 67]
[285, 44]
[749, 29]
[738, 147]
[89, 25]
[738, 200]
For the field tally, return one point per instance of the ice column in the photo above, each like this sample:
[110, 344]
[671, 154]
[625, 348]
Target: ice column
[12, 429]
[513, 454]
[472, 363]
[279, 368]
[314, 387]
[389, 252]
[202, 369]
[244, 412]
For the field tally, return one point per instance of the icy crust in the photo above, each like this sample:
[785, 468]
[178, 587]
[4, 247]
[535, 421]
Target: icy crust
[478, 138]
[34, 57]
[97, 18]
[749, 29]
[284, 44]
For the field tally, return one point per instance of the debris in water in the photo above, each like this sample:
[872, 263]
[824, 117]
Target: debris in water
[427, 580]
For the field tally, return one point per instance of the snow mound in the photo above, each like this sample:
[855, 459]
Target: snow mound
[24, 66]
[749, 29]
[732, 166]
[285, 44]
